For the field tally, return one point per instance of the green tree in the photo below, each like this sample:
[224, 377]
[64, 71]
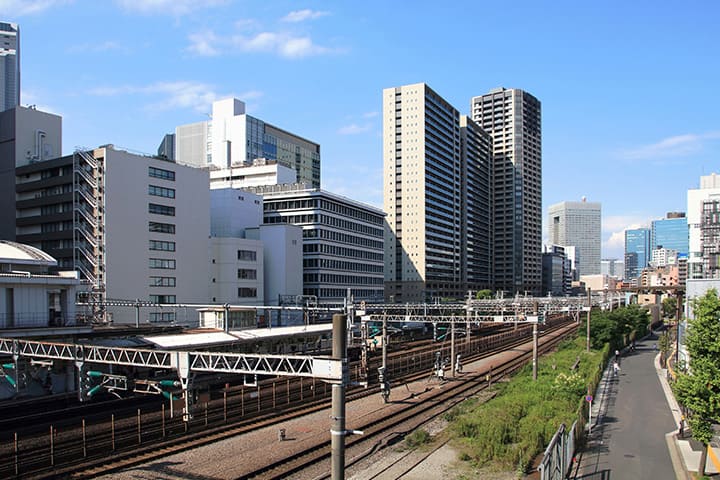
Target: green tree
[698, 389]
[484, 294]
[669, 305]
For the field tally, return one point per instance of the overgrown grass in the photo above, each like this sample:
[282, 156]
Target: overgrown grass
[417, 438]
[516, 425]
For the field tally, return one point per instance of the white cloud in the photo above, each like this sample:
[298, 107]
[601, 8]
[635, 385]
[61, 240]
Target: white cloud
[283, 44]
[676, 146]
[614, 227]
[354, 129]
[371, 114]
[98, 47]
[27, 7]
[175, 95]
[169, 7]
[302, 15]
[202, 44]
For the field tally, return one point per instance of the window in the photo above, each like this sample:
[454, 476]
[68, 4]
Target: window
[161, 209]
[162, 246]
[247, 255]
[165, 263]
[160, 173]
[247, 292]
[161, 227]
[247, 274]
[163, 299]
[162, 281]
[162, 317]
[161, 191]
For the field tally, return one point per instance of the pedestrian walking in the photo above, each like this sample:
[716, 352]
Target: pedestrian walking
[616, 368]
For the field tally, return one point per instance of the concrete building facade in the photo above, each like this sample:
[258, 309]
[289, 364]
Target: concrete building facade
[513, 118]
[437, 190]
[135, 227]
[342, 241]
[578, 224]
[27, 136]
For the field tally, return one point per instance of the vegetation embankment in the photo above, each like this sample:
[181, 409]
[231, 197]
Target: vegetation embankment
[509, 431]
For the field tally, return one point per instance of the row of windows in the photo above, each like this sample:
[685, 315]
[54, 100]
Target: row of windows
[161, 227]
[341, 279]
[342, 251]
[161, 209]
[345, 238]
[247, 273]
[246, 292]
[341, 265]
[165, 263]
[162, 281]
[163, 299]
[56, 226]
[161, 191]
[162, 317]
[247, 255]
[162, 246]
[160, 173]
[56, 208]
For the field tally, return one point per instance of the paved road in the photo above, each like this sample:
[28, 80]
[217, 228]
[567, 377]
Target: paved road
[628, 441]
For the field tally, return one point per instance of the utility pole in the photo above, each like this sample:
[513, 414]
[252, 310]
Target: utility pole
[535, 341]
[337, 428]
[678, 298]
[589, 307]
[452, 346]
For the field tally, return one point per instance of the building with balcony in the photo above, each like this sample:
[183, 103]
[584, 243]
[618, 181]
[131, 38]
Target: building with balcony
[512, 117]
[134, 227]
[703, 218]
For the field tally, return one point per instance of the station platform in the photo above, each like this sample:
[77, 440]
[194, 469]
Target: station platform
[635, 425]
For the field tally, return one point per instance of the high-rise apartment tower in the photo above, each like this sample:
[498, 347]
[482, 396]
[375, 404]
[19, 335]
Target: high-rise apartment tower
[9, 66]
[437, 196]
[513, 118]
[578, 224]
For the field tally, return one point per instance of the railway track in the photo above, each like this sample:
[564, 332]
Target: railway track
[413, 414]
[107, 446]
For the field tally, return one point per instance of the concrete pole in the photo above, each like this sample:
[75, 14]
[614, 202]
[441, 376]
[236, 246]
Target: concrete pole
[535, 342]
[678, 298]
[337, 428]
[137, 313]
[452, 346]
[226, 326]
[384, 347]
[589, 301]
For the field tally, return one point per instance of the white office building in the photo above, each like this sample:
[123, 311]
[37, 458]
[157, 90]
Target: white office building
[251, 263]
[135, 227]
[9, 65]
[260, 172]
[703, 218]
[234, 138]
[342, 241]
[578, 224]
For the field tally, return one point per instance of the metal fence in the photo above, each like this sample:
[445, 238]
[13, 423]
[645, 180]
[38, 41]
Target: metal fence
[557, 458]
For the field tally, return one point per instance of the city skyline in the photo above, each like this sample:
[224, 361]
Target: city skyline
[617, 124]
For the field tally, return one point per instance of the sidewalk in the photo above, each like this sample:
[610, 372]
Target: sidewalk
[632, 427]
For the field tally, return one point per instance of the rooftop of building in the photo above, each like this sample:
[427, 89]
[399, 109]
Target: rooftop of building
[20, 254]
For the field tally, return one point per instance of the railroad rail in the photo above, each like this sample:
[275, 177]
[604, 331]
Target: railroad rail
[101, 446]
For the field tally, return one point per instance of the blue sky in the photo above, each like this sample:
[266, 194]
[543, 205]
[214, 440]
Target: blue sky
[629, 90]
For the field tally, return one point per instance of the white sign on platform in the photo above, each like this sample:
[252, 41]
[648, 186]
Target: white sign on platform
[327, 368]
